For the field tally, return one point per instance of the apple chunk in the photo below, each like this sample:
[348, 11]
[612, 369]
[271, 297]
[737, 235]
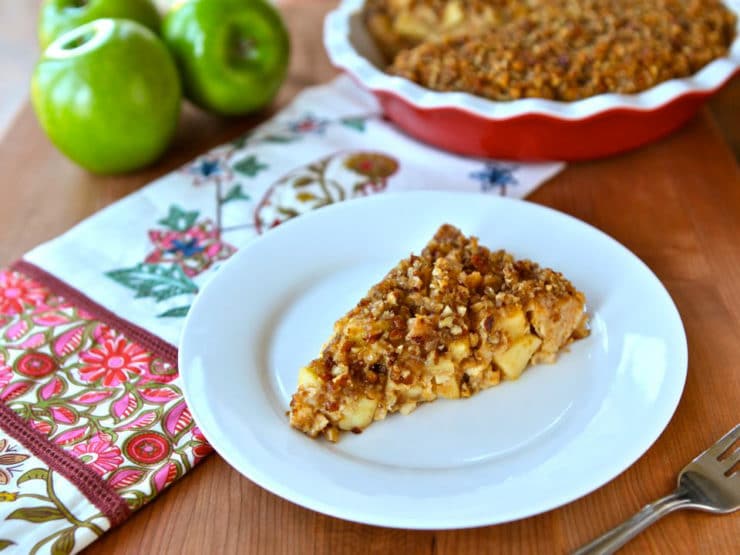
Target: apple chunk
[358, 416]
[514, 360]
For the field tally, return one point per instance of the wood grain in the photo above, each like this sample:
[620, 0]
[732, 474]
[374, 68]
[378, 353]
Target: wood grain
[676, 204]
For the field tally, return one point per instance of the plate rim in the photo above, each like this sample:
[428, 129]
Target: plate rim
[264, 480]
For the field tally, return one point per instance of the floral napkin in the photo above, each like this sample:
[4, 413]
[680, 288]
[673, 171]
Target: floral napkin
[92, 420]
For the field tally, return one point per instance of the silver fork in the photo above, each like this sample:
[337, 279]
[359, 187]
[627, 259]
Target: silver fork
[706, 484]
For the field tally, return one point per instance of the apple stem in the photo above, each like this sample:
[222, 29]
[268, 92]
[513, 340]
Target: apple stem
[78, 41]
[245, 47]
[242, 48]
[79, 3]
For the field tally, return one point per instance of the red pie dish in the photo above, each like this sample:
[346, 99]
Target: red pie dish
[530, 128]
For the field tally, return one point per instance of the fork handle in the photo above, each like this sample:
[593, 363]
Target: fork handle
[615, 538]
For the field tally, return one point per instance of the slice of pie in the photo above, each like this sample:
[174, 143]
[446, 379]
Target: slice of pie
[448, 323]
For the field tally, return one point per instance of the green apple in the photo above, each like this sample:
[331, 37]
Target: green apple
[233, 54]
[59, 16]
[108, 95]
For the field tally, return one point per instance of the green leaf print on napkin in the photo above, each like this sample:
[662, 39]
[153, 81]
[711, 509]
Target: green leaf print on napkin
[63, 539]
[358, 123]
[235, 193]
[36, 514]
[179, 219]
[250, 166]
[65, 543]
[34, 474]
[177, 312]
[152, 280]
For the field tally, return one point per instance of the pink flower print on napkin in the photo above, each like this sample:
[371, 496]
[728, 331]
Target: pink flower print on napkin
[6, 374]
[53, 311]
[147, 448]
[194, 249]
[201, 447]
[99, 453]
[17, 292]
[35, 365]
[114, 361]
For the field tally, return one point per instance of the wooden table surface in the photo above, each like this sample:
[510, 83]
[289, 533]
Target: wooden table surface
[676, 204]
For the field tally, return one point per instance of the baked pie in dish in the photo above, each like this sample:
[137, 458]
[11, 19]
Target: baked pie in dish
[554, 49]
[450, 322]
[537, 79]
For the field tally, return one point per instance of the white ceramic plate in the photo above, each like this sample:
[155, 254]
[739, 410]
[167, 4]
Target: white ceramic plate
[518, 449]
